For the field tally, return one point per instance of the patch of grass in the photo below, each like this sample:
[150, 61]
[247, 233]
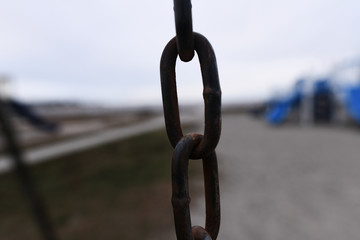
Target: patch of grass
[120, 190]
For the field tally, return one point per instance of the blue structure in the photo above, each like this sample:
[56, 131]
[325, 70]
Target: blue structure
[279, 109]
[318, 102]
[322, 103]
[352, 102]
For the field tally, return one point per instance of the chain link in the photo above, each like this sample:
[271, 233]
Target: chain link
[180, 186]
[211, 94]
[184, 29]
[192, 145]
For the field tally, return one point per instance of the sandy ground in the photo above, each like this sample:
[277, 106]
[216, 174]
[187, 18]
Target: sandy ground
[286, 183]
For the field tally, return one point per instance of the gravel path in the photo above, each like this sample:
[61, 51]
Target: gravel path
[287, 183]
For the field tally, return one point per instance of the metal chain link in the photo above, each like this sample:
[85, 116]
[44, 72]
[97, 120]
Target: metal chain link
[184, 29]
[211, 94]
[192, 145]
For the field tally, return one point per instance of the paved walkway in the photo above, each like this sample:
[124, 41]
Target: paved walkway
[287, 183]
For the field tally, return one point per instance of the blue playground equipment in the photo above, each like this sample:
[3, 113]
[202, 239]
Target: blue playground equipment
[352, 102]
[322, 97]
[323, 101]
[280, 108]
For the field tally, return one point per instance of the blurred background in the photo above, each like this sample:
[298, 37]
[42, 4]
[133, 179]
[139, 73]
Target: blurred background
[81, 80]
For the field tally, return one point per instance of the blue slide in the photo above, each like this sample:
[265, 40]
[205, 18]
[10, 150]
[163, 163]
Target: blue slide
[279, 109]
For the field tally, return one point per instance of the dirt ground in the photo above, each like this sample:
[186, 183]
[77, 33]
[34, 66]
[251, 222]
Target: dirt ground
[287, 182]
[276, 183]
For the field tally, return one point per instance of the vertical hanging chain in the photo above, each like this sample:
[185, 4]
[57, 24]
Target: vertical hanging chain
[192, 145]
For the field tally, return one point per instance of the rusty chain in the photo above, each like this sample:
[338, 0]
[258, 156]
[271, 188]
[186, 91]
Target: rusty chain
[192, 145]
[184, 30]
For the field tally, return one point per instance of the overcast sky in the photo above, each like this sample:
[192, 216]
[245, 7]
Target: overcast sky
[109, 51]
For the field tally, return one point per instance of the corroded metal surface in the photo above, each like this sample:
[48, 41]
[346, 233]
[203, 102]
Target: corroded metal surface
[184, 29]
[193, 145]
[180, 186]
[211, 94]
